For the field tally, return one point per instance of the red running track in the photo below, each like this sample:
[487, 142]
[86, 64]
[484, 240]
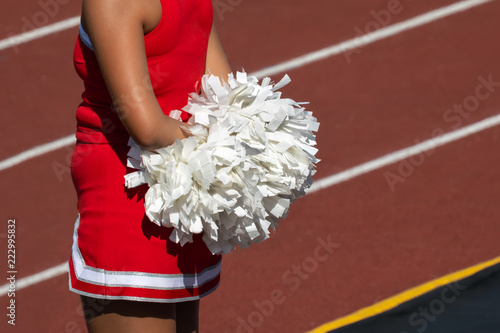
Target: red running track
[442, 218]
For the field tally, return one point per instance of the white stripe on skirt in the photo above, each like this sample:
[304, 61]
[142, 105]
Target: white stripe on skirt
[99, 276]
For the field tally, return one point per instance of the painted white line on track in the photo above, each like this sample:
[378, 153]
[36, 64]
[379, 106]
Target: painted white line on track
[319, 184]
[402, 154]
[37, 151]
[39, 33]
[294, 63]
[284, 66]
[37, 278]
[369, 38]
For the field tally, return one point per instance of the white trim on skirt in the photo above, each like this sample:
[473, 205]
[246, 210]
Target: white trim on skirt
[102, 277]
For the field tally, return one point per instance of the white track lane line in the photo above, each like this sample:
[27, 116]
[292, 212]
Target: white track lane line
[37, 151]
[402, 154]
[284, 66]
[320, 184]
[369, 38]
[39, 33]
[37, 278]
[315, 56]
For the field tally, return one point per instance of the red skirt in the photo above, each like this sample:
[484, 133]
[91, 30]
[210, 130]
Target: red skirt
[117, 252]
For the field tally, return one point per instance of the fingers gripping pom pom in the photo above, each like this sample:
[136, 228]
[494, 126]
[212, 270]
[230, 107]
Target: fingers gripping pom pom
[250, 154]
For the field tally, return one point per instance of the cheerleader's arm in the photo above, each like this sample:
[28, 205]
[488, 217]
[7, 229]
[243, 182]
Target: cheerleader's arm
[116, 31]
[217, 63]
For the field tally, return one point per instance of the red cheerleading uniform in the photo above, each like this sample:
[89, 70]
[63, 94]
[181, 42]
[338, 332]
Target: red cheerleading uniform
[117, 252]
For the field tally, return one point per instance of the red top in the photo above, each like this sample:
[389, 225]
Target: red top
[176, 55]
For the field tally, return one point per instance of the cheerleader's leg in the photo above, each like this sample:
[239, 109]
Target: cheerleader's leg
[129, 316]
[187, 316]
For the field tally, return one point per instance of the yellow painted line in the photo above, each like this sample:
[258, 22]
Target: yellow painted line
[402, 297]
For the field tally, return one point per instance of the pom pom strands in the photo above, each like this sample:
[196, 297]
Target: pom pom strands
[250, 154]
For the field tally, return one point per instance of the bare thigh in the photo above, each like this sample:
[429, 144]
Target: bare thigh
[105, 316]
[187, 315]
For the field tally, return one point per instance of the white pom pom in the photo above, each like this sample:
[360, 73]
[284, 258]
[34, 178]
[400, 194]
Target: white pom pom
[251, 154]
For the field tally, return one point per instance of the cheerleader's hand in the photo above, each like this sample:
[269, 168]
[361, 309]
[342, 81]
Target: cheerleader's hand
[249, 156]
[185, 131]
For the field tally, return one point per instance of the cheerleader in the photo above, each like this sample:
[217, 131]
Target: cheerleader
[138, 60]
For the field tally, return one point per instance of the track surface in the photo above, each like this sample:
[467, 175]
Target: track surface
[442, 217]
